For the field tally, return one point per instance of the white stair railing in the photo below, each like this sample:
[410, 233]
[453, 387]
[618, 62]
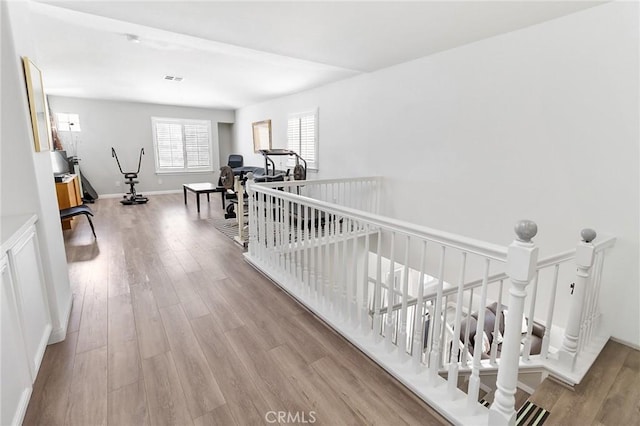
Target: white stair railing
[385, 285]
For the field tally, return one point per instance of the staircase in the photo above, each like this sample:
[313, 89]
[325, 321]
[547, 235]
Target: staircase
[401, 292]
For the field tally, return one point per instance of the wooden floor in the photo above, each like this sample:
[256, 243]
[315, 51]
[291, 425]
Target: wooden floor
[608, 395]
[170, 326]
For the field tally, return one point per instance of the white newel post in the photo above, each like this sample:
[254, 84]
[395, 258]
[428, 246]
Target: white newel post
[521, 266]
[585, 253]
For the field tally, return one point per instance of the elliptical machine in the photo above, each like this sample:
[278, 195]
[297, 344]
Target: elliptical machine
[130, 179]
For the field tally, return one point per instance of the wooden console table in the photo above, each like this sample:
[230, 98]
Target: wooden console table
[68, 192]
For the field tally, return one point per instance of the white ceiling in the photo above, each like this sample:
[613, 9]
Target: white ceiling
[233, 54]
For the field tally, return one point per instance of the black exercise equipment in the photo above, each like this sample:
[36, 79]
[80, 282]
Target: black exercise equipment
[78, 210]
[130, 179]
[299, 171]
[227, 177]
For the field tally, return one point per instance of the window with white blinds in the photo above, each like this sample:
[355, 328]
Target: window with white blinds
[182, 146]
[302, 137]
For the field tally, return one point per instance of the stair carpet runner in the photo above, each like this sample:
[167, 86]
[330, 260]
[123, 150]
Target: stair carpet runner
[529, 414]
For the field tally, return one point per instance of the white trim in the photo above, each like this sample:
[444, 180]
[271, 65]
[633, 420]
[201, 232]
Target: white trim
[21, 410]
[60, 333]
[119, 195]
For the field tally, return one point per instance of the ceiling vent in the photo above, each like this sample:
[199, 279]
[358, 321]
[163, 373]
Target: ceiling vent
[172, 78]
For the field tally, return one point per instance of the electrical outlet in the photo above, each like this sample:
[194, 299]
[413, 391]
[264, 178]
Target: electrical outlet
[117, 183]
[159, 181]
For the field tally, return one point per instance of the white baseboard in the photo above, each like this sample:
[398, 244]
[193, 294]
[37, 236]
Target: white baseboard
[626, 343]
[60, 333]
[120, 194]
[21, 410]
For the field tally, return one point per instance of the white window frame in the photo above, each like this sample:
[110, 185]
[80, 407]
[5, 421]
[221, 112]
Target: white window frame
[68, 122]
[185, 169]
[311, 165]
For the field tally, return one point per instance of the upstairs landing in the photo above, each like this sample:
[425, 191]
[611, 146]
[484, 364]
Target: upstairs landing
[608, 395]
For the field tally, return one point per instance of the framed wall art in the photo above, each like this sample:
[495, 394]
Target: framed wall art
[37, 106]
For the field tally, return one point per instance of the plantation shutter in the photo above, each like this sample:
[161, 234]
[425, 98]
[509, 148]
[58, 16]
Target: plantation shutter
[169, 146]
[197, 145]
[302, 137]
[182, 145]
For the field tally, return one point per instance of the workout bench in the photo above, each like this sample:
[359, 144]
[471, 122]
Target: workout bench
[77, 210]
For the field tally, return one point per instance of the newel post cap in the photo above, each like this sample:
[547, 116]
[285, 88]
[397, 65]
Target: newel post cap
[525, 230]
[585, 251]
[588, 235]
[249, 182]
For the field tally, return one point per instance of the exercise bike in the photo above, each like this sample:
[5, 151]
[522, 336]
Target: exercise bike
[130, 179]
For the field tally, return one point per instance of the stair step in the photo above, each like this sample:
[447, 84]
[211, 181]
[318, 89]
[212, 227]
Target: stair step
[531, 415]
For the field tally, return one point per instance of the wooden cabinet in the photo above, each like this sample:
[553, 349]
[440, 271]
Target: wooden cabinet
[68, 192]
[26, 323]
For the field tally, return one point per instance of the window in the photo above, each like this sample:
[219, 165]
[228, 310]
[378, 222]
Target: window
[182, 146]
[302, 137]
[68, 122]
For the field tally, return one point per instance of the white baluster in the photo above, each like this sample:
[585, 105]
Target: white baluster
[377, 295]
[270, 241]
[474, 379]
[364, 316]
[402, 335]
[262, 234]
[335, 294]
[299, 251]
[278, 236]
[526, 351]
[443, 331]
[289, 239]
[452, 380]
[320, 267]
[326, 291]
[418, 325]
[584, 261]
[354, 279]
[305, 250]
[388, 329]
[465, 352]
[434, 357]
[314, 254]
[522, 258]
[252, 216]
[342, 290]
[552, 302]
[496, 326]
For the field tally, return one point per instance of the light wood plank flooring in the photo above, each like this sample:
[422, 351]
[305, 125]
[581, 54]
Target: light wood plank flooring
[608, 395]
[170, 326]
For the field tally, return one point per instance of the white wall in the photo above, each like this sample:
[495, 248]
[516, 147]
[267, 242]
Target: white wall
[126, 126]
[541, 123]
[225, 141]
[26, 175]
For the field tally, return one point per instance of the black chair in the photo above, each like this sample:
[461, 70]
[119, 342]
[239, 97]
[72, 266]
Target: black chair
[235, 160]
[78, 210]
